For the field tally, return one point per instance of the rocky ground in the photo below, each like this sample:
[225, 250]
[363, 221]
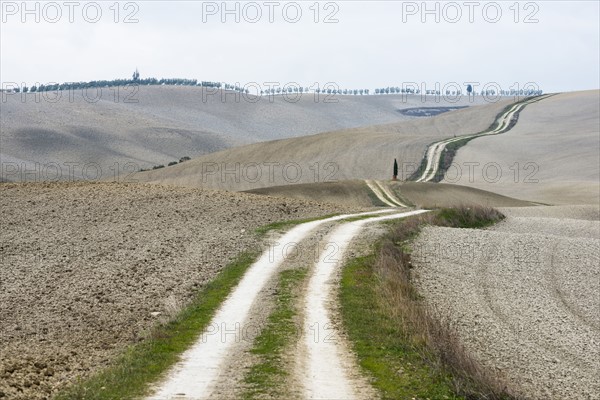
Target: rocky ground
[87, 269]
[523, 296]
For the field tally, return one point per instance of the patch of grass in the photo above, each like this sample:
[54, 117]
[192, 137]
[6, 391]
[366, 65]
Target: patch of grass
[468, 217]
[399, 342]
[128, 377]
[397, 367]
[267, 377]
[386, 197]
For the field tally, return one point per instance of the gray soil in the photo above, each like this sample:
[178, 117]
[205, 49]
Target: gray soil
[88, 269]
[435, 195]
[523, 296]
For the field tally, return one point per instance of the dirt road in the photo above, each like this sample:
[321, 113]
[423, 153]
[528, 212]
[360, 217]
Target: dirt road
[327, 367]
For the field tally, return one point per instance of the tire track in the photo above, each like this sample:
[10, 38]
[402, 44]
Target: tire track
[390, 195]
[384, 194]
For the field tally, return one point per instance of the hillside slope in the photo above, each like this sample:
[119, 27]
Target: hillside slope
[359, 153]
[555, 147]
[420, 194]
[158, 124]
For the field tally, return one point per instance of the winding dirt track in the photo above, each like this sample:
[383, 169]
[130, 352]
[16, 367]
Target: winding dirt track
[197, 372]
[434, 151]
[327, 366]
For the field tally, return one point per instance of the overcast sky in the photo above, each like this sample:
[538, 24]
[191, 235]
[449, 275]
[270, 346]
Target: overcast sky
[356, 44]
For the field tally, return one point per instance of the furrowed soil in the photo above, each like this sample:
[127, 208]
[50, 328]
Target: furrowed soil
[523, 296]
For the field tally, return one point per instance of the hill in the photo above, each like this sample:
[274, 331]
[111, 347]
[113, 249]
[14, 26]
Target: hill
[357, 153]
[422, 195]
[155, 125]
[555, 148]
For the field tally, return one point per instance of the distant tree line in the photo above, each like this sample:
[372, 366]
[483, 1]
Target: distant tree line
[225, 86]
[393, 90]
[135, 80]
[182, 159]
[353, 92]
[300, 89]
[106, 83]
[272, 91]
[471, 92]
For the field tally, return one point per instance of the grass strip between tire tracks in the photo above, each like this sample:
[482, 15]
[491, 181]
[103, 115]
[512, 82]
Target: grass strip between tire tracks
[453, 147]
[267, 376]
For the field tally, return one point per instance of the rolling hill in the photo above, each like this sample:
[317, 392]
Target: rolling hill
[356, 153]
[551, 155]
[159, 124]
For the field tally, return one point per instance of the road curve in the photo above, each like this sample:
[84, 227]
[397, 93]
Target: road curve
[435, 150]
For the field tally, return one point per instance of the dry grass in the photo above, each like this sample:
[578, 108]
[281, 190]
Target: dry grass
[420, 326]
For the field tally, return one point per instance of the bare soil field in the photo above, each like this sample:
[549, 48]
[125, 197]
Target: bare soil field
[523, 296]
[359, 153]
[89, 268]
[551, 155]
[153, 125]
